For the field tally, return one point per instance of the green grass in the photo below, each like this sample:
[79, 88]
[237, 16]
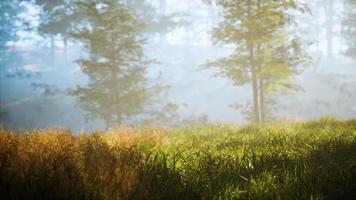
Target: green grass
[311, 160]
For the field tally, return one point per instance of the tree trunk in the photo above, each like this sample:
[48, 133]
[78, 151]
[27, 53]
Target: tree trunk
[114, 79]
[53, 46]
[250, 46]
[255, 91]
[329, 22]
[65, 45]
[260, 79]
[262, 100]
[116, 95]
[256, 109]
[162, 4]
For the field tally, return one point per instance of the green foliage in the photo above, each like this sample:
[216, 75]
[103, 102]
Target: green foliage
[312, 160]
[117, 88]
[57, 17]
[267, 49]
[61, 17]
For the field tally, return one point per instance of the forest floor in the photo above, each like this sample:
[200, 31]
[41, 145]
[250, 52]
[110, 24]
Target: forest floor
[304, 160]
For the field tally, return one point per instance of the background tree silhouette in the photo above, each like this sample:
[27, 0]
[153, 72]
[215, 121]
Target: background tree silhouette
[9, 10]
[267, 48]
[57, 19]
[349, 27]
[118, 89]
[155, 20]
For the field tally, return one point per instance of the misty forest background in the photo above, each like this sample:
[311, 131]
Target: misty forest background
[95, 64]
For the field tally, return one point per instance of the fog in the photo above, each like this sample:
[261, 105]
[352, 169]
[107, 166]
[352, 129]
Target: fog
[45, 73]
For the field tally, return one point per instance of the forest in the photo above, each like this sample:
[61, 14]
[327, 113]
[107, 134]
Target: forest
[168, 99]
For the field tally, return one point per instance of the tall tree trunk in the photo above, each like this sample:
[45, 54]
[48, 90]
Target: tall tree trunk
[262, 100]
[255, 91]
[162, 4]
[53, 46]
[65, 45]
[254, 75]
[260, 78]
[114, 79]
[256, 109]
[261, 89]
[329, 23]
[116, 95]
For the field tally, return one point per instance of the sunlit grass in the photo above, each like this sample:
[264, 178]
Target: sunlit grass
[311, 160]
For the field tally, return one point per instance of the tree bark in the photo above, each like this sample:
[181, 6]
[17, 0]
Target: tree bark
[53, 46]
[250, 46]
[255, 91]
[114, 79]
[256, 109]
[261, 90]
[65, 45]
[329, 22]
[260, 79]
[262, 100]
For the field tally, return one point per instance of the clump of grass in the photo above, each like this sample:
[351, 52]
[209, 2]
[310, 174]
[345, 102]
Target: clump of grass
[310, 160]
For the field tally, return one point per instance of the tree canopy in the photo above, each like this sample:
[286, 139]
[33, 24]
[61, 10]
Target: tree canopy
[267, 50]
[115, 64]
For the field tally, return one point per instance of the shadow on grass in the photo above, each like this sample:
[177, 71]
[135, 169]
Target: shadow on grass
[56, 165]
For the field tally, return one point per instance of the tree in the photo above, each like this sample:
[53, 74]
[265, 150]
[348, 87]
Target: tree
[267, 49]
[152, 13]
[9, 26]
[349, 27]
[8, 16]
[328, 7]
[118, 89]
[9, 11]
[57, 18]
[155, 20]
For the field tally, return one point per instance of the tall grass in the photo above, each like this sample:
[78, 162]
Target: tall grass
[312, 160]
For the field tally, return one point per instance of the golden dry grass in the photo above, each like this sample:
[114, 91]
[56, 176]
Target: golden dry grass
[310, 160]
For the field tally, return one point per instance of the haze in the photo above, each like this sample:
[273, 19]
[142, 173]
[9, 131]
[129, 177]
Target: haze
[41, 72]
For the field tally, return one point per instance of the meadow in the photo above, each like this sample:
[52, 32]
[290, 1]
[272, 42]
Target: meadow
[290, 160]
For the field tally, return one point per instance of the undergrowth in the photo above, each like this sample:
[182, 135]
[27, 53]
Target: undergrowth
[311, 160]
